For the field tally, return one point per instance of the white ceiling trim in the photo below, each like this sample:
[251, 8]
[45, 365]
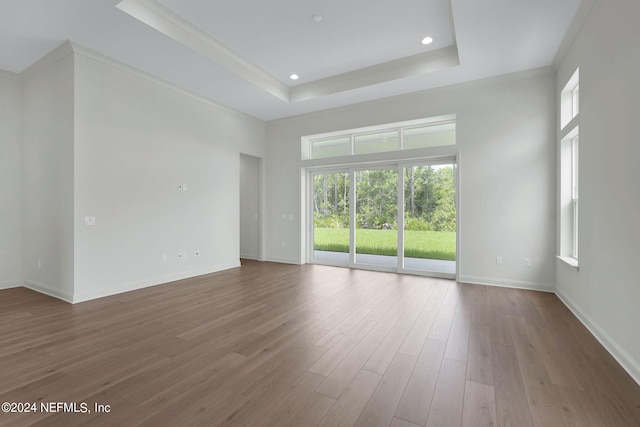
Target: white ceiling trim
[97, 56]
[57, 54]
[168, 23]
[172, 25]
[68, 48]
[422, 63]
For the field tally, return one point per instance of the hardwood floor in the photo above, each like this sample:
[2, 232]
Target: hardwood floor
[282, 345]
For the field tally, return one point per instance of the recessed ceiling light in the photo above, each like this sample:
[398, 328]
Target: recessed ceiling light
[316, 18]
[294, 77]
[427, 40]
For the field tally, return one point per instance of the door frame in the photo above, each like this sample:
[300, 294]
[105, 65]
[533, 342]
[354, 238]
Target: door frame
[350, 168]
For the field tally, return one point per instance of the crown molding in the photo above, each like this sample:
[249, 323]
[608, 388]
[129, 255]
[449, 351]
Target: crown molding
[170, 24]
[160, 18]
[57, 54]
[417, 95]
[422, 63]
[97, 56]
[68, 48]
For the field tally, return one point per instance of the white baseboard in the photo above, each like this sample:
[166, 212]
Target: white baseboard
[282, 260]
[622, 357]
[8, 284]
[518, 284]
[140, 284]
[250, 256]
[48, 290]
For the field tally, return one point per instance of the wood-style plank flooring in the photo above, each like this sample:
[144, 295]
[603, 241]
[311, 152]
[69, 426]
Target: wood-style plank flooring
[282, 345]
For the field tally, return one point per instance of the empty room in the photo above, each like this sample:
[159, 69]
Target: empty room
[296, 213]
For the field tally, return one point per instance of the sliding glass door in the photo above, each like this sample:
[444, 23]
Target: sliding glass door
[376, 213]
[429, 218]
[330, 218]
[356, 220]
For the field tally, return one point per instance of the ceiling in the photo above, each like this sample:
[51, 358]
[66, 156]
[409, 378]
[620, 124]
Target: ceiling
[241, 53]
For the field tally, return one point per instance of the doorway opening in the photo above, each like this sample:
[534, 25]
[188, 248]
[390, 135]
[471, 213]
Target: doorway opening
[250, 196]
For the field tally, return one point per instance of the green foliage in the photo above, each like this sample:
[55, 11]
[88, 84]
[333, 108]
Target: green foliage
[417, 224]
[331, 196]
[331, 221]
[376, 193]
[418, 244]
[430, 212]
[429, 199]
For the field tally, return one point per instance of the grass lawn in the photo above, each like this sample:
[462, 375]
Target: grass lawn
[418, 244]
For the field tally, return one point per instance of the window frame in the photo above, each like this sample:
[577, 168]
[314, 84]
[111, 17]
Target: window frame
[575, 193]
[399, 128]
[569, 172]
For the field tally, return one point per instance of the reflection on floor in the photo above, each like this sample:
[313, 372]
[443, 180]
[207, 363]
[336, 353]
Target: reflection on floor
[342, 259]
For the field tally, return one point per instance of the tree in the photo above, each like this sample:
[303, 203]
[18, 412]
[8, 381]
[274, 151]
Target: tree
[429, 198]
[444, 216]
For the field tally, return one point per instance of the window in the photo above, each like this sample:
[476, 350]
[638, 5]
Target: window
[331, 147]
[376, 143]
[414, 134]
[433, 135]
[575, 98]
[383, 197]
[569, 171]
[570, 100]
[574, 195]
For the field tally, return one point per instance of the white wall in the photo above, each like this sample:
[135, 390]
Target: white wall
[605, 292]
[136, 141]
[47, 131]
[250, 185]
[10, 181]
[506, 141]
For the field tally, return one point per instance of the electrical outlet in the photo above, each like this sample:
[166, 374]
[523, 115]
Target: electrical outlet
[184, 255]
[526, 262]
[498, 260]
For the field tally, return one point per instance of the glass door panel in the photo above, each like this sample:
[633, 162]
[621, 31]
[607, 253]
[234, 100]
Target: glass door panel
[376, 210]
[430, 218]
[331, 193]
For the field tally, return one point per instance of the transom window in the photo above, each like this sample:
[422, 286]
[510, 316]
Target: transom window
[426, 133]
